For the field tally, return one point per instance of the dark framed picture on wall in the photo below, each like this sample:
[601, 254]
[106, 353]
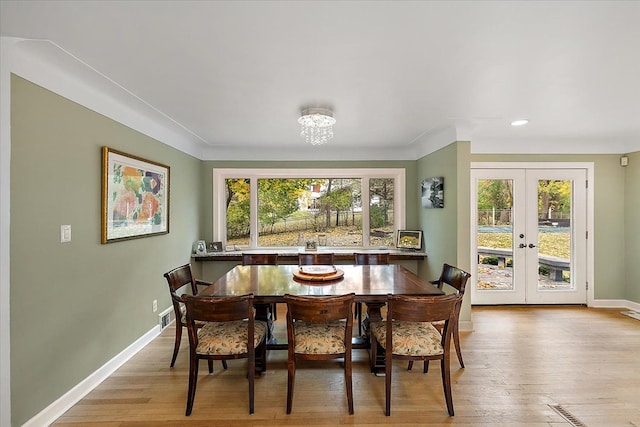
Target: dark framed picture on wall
[433, 192]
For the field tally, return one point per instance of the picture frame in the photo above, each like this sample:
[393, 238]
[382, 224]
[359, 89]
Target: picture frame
[311, 245]
[215, 246]
[135, 197]
[409, 239]
[433, 192]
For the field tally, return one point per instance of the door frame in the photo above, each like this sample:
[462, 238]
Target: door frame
[589, 167]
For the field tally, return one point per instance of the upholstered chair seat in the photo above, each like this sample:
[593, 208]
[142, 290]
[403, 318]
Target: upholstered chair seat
[319, 338]
[228, 337]
[410, 338]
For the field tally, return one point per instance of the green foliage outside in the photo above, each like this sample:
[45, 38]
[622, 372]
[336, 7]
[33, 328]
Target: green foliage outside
[287, 211]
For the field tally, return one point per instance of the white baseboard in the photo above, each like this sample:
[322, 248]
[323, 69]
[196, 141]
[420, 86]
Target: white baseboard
[48, 415]
[616, 303]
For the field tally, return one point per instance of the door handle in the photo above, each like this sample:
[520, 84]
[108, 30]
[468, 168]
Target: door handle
[531, 245]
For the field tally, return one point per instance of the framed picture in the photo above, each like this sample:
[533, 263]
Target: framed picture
[135, 197]
[215, 246]
[433, 192]
[409, 239]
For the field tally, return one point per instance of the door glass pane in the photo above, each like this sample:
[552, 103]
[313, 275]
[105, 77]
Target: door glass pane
[238, 204]
[381, 212]
[495, 234]
[554, 234]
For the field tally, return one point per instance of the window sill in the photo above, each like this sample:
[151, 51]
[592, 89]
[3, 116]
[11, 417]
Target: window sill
[291, 254]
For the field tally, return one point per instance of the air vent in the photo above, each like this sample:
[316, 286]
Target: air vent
[165, 318]
[632, 314]
[567, 416]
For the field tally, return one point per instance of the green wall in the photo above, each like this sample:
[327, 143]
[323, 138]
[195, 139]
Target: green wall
[609, 213]
[447, 230]
[74, 306]
[632, 227]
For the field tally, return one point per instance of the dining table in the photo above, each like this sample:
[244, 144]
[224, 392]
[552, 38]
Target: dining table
[270, 283]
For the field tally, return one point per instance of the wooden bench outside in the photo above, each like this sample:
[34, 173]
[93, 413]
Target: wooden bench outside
[555, 265]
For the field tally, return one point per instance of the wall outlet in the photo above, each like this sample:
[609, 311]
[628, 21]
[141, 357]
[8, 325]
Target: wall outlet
[65, 233]
[155, 305]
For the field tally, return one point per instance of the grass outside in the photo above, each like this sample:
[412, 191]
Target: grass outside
[343, 236]
[554, 244]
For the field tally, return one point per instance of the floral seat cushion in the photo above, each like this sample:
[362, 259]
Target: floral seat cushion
[222, 338]
[410, 338]
[319, 338]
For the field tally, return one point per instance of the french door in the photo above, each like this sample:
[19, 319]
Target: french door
[530, 233]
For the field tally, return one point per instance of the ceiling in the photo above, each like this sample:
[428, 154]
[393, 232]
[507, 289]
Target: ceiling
[403, 78]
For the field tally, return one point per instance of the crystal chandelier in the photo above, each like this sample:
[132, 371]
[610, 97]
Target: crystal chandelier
[317, 125]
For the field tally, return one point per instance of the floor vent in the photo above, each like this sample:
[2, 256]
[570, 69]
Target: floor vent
[633, 314]
[165, 318]
[567, 416]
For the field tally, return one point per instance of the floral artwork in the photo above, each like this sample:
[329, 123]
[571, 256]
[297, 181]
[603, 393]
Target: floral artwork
[134, 197]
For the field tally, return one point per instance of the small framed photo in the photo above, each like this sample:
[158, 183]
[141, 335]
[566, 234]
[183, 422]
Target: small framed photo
[311, 246]
[433, 192]
[215, 247]
[409, 239]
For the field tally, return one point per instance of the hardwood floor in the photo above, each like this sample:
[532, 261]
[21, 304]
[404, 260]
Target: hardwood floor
[519, 361]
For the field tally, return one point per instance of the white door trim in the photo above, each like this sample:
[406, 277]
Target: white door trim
[589, 167]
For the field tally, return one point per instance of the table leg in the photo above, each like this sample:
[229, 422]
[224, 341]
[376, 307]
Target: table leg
[374, 314]
[263, 312]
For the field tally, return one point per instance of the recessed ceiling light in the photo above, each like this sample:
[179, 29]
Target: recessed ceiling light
[520, 122]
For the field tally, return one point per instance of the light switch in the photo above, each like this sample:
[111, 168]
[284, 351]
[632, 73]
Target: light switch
[65, 233]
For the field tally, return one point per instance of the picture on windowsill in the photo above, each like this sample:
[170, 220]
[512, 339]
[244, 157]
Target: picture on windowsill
[433, 192]
[215, 246]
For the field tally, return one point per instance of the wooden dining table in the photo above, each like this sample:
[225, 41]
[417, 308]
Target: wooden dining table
[370, 283]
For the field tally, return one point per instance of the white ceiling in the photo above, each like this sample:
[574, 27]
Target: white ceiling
[404, 78]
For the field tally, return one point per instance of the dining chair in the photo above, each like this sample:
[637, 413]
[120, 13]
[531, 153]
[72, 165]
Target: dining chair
[229, 332]
[262, 259]
[367, 258]
[319, 328]
[408, 333]
[181, 281]
[318, 258]
[457, 279]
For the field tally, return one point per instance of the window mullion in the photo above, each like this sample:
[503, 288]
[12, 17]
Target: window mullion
[365, 211]
[253, 220]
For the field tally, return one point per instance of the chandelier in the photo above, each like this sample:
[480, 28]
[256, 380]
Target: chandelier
[317, 125]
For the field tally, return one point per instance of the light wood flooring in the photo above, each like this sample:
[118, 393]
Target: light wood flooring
[519, 362]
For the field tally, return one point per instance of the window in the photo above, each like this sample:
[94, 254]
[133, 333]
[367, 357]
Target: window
[258, 208]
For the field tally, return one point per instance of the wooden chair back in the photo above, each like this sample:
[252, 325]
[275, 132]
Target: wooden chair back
[366, 258]
[453, 276]
[416, 308]
[219, 309]
[320, 309]
[319, 258]
[259, 259]
[180, 277]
